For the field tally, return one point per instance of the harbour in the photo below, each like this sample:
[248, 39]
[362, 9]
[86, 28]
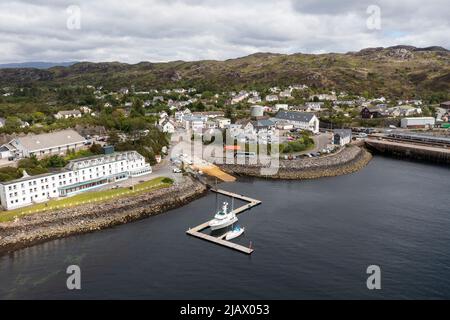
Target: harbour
[219, 240]
[391, 213]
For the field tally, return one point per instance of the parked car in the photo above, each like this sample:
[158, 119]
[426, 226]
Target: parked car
[176, 170]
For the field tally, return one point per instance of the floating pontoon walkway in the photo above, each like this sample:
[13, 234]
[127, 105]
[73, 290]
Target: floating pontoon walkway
[197, 231]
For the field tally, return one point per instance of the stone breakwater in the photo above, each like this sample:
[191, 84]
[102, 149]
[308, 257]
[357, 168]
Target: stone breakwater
[41, 227]
[349, 160]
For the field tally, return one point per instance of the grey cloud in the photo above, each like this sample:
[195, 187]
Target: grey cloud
[163, 30]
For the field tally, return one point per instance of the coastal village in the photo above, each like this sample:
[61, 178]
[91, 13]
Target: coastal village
[302, 123]
[129, 146]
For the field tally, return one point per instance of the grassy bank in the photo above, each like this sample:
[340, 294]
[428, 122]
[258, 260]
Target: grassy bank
[87, 197]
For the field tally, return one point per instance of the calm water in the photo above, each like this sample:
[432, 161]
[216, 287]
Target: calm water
[313, 239]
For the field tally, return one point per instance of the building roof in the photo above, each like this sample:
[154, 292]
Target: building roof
[69, 112]
[263, 123]
[295, 116]
[343, 132]
[103, 159]
[50, 140]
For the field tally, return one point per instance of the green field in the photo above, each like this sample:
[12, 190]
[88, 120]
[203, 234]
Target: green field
[87, 197]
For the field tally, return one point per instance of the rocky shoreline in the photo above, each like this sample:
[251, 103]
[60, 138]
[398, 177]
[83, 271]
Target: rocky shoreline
[42, 227]
[351, 159]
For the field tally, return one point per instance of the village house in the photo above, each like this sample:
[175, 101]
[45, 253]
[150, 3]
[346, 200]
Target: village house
[239, 97]
[299, 87]
[314, 106]
[210, 114]
[373, 112]
[85, 110]
[342, 137]
[299, 120]
[286, 94]
[68, 114]
[166, 126]
[222, 123]
[255, 99]
[323, 97]
[274, 90]
[279, 107]
[179, 115]
[271, 98]
[195, 123]
[404, 111]
[445, 105]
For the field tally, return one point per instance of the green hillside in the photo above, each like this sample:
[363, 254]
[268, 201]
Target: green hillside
[395, 71]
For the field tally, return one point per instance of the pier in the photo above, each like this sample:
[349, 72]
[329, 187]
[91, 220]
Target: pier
[197, 231]
[410, 150]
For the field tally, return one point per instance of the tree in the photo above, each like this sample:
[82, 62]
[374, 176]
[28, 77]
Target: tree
[13, 124]
[38, 117]
[96, 148]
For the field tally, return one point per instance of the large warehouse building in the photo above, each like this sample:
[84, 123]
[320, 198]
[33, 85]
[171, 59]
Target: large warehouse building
[42, 145]
[423, 122]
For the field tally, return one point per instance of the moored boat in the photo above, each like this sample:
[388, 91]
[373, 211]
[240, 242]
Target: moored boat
[223, 218]
[235, 233]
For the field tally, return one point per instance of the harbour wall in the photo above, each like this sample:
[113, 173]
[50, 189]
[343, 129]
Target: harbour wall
[410, 151]
[42, 227]
[351, 159]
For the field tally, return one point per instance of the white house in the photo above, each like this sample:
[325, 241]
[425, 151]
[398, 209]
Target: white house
[324, 97]
[194, 123]
[78, 176]
[299, 120]
[254, 100]
[239, 97]
[286, 94]
[271, 98]
[85, 110]
[167, 126]
[279, 107]
[222, 123]
[314, 106]
[179, 115]
[342, 137]
[68, 114]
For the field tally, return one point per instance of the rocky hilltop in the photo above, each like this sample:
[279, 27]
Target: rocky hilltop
[398, 70]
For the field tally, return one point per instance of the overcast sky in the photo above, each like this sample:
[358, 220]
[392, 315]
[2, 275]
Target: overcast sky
[164, 30]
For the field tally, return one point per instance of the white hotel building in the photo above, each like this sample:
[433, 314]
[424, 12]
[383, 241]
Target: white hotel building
[79, 176]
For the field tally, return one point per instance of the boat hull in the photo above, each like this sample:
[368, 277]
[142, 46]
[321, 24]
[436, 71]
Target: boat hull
[224, 224]
[233, 235]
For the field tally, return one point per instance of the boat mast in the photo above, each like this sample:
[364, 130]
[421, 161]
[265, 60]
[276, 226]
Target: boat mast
[217, 198]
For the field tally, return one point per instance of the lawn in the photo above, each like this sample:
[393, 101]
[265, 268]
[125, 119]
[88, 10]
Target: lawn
[87, 197]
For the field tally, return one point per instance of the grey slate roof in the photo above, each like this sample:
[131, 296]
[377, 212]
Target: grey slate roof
[295, 116]
[343, 132]
[264, 123]
[50, 140]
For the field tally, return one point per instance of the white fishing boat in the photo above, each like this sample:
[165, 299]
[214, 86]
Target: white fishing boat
[235, 233]
[223, 218]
